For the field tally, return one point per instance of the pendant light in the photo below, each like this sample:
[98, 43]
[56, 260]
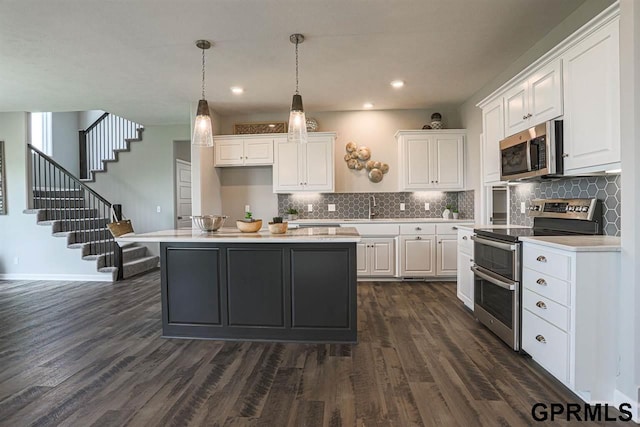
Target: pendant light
[202, 128]
[297, 121]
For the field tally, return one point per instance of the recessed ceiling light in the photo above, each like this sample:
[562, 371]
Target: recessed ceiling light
[271, 125]
[397, 84]
[367, 105]
[237, 90]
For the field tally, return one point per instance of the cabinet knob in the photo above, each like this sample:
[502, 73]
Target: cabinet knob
[464, 237]
[300, 183]
[529, 115]
[541, 339]
[454, 228]
[524, 117]
[564, 155]
[418, 228]
[418, 238]
[541, 282]
[541, 258]
[541, 305]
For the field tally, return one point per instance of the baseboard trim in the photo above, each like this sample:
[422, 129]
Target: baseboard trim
[619, 398]
[103, 277]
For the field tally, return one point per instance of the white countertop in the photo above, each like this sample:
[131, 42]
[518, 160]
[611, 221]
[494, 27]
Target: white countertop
[578, 243]
[379, 221]
[233, 235]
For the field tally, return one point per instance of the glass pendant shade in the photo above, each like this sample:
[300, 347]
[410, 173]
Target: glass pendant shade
[297, 122]
[203, 129]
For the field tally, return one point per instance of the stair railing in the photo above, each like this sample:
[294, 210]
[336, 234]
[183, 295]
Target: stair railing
[100, 141]
[64, 197]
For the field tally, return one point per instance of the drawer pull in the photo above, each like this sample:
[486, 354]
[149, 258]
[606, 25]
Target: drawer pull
[454, 227]
[541, 282]
[418, 238]
[541, 258]
[464, 237]
[541, 339]
[542, 305]
[418, 229]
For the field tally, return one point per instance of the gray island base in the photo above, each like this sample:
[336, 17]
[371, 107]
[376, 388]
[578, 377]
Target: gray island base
[298, 287]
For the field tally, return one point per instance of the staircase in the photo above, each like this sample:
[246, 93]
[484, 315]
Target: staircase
[78, 214]
[102, 142]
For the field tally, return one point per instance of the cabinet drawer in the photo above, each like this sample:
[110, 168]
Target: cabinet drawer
[548, 345]
[552, 312]
[447, 228]
[547, 262]
[417, 229]
[465, 244]
[374, 229]
[547, 286]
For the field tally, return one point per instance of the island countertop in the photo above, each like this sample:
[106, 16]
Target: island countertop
[233, 235]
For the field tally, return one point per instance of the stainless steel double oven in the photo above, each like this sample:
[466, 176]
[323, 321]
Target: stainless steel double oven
[498, 271]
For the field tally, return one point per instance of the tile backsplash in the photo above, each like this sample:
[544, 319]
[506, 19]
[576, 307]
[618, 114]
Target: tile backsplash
[356, 205]
[605, 188]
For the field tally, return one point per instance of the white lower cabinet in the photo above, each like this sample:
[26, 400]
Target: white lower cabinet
[465, 288]
[417, 255]
[376, 256]
[568, 316]
[447, 256]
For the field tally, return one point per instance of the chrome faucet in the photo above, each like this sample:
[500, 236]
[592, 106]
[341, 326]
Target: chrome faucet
[372, 214]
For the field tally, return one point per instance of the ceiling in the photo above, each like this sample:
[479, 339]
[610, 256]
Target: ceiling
[137, 58]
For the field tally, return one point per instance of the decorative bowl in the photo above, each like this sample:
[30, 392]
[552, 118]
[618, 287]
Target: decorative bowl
[278, 227]
[209, 223]
[249, 227]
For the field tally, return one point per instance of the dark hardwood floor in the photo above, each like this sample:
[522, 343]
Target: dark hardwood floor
[82, 354]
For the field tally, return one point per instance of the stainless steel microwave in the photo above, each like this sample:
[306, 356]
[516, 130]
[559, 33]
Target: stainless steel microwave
[533, 153]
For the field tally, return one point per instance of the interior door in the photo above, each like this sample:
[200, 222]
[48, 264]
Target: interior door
[183, 194]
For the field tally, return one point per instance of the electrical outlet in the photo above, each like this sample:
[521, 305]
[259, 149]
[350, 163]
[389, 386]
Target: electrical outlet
[426, 206]
[16, 260]
[158, 209]
[309, 207]
[402, 206]
[247, 208]
[331, 207]
[523, 207]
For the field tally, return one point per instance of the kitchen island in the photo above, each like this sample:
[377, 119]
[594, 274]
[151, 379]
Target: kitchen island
[228, 285]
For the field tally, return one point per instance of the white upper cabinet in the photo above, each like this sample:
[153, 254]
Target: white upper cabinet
[592, 102]
[243, 151]
[431, 159]
[537, 98]
[493, 125]
[304, 167]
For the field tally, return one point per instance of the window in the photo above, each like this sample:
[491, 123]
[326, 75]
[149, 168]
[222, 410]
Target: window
[41, 132]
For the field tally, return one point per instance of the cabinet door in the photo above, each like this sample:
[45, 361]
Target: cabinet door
[417, 256]
[417, 162]
[493, 129]
[545, 93]
[286, 168]
[592, 101]
[447, 256]
[258, 151]
[318, 162]
[383, 256]
[448, 165]
[465, 279]
[229, 152]
[516, 109]
[362, 258]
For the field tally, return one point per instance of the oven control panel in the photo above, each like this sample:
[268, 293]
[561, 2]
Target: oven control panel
[563, 208]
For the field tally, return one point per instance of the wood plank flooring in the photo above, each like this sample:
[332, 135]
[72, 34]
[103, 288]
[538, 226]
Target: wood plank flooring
[90, 354]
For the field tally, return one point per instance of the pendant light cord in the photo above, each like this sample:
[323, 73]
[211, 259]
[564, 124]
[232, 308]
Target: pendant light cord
[203, 74]
[297, 67]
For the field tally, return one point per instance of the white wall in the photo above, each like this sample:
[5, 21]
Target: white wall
[64, 136]
[374, 129]
[628, 331]
[471, 116]
[87, 118]
[39, 255]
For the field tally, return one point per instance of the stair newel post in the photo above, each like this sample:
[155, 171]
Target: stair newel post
[82, 141]
[117, 250]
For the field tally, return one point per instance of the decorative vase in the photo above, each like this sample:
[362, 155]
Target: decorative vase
[292, 217]
[456, 215]
[446, 214]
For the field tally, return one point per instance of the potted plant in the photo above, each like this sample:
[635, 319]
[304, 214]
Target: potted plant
[455, 213]
[446, 214]
[292, 214]
[277, 226]
[249, 224]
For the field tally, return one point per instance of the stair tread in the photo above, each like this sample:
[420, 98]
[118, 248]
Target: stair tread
[141, 260]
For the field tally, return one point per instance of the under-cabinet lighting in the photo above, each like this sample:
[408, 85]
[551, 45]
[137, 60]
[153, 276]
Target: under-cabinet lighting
[428, 195]
[367, 105]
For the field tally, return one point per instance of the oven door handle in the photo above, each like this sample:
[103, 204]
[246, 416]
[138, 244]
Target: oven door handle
[499, 245]
[510, 286]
